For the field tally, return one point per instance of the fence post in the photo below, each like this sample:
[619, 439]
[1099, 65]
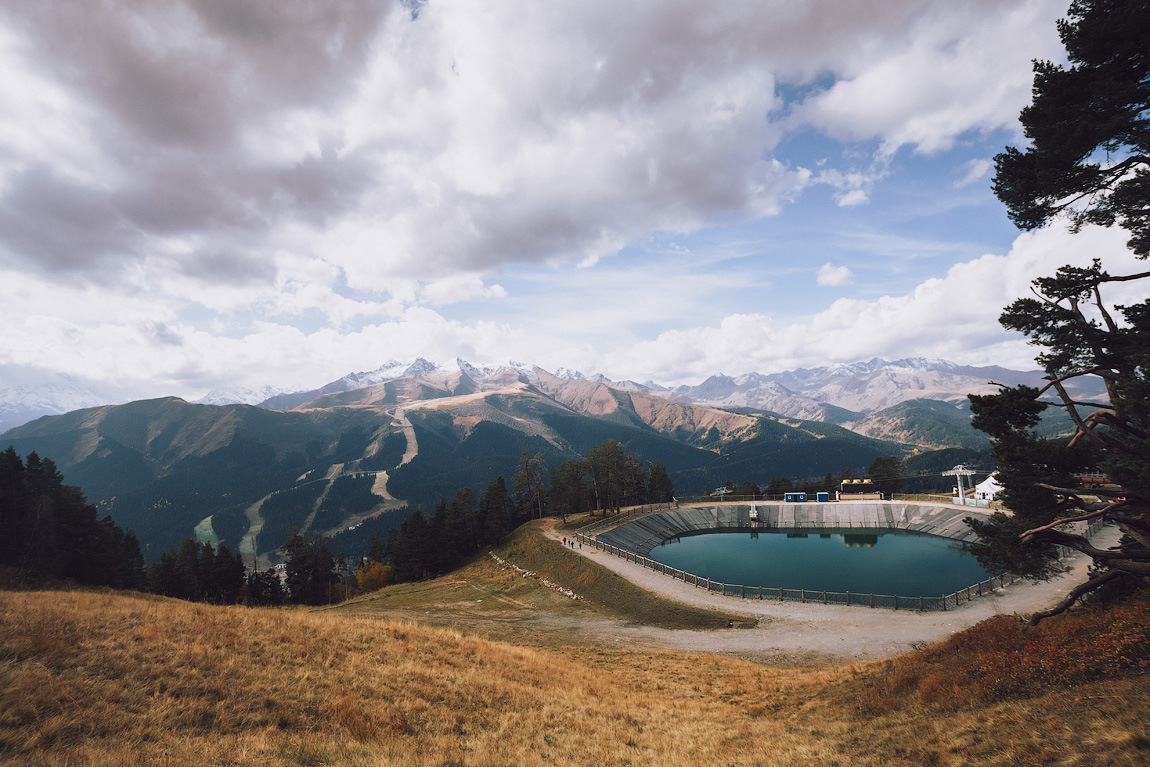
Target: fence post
[896, 601]
[872, 600]
[920, 603]
[744, 592]
[803, 596]
[824, 597]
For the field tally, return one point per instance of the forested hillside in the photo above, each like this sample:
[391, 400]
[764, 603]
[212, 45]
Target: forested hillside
[243, 476]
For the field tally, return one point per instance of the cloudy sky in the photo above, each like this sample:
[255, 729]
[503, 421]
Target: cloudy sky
[208, 193]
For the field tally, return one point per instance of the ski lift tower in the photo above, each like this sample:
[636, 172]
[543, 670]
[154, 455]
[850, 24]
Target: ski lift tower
[959, 472]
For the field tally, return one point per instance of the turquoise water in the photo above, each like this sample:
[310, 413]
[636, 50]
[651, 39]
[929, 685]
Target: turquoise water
[872, 562]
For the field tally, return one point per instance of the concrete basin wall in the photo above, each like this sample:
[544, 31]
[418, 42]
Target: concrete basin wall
[641, 535]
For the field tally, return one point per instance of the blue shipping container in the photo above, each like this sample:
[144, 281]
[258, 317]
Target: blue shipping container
[795, 497]
[823, 497]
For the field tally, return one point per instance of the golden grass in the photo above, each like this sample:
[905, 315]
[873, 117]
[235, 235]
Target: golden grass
[107, 679]
[482, 589]
[111, 679]
[100, 679]
[606, 589]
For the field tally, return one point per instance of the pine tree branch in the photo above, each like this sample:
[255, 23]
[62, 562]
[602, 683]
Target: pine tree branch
[1107, 178]
[1118, 560]
[1135, 534]
[1125, 277]
[1096, 582]
[1072, 411]
[1067, 520]
[1097, 370]
[1080, 403]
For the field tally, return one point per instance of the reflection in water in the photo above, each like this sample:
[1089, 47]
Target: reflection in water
[837, 560]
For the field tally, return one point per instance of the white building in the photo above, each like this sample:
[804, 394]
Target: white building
[988, 489]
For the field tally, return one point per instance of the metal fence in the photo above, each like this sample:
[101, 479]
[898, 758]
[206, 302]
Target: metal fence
[632, 512]
[944, 602]
[891, 601]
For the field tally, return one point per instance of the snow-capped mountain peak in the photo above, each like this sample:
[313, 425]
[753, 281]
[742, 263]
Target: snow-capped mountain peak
[569, 374]
[28, 393]
[385, 372]
[242, 395]
[420, 367]
[470, 370]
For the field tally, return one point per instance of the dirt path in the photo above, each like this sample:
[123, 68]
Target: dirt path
[408, 430]
[810, 632]
[255, 527]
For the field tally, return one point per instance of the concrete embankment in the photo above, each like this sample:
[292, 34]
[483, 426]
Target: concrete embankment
[641, 535]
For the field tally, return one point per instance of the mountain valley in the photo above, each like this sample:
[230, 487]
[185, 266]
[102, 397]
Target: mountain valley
[369, 446]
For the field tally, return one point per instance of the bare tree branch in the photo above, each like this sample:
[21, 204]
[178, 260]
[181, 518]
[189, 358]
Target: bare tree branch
[1079, 543]
[1072, 411]
[1056, 523]
[1126, 277]
[1110, 324]
[1095, 582]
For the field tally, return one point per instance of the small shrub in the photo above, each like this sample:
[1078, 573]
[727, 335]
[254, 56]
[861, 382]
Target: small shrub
[1002, 657]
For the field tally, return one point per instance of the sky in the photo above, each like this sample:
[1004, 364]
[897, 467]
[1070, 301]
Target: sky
[204, 194]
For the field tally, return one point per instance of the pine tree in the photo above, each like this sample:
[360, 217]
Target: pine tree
[1089, 161]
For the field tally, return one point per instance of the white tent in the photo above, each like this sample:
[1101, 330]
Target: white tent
[988, 489]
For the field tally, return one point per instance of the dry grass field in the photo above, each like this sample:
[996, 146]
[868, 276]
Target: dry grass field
[122, 679]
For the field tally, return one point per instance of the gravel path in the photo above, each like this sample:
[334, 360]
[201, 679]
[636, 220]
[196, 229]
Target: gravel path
[799, 632]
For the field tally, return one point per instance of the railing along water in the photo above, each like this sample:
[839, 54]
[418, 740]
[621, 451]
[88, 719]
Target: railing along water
[896, 602]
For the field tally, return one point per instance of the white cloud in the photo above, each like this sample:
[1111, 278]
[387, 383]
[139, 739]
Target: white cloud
[854, 187]
[852, 198]
[831, 275]
[973, 171]
[140, 342]
[953, 317]
[958, 67]
[457, 288]
[423, 149]
[197, 193]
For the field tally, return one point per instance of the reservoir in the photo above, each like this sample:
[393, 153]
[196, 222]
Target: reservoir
[889, 561]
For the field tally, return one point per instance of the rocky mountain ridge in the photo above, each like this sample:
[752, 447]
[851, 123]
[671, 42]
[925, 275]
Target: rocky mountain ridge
[245, 474]
[838, 393]
[841, 393]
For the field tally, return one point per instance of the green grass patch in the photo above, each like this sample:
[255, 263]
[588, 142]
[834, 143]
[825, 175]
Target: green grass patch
[528, 548]
[578, 521]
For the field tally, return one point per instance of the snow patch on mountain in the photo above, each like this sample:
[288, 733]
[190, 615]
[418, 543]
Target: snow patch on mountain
[30, 393]
[241, 395]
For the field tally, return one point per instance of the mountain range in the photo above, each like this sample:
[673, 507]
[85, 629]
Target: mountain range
[839, 390]
[842, 393]
[359, 451]
[863, 396]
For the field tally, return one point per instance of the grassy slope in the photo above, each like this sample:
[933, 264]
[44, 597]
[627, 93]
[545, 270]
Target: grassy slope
[107, 679]
[603, 588]
[483, 591]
